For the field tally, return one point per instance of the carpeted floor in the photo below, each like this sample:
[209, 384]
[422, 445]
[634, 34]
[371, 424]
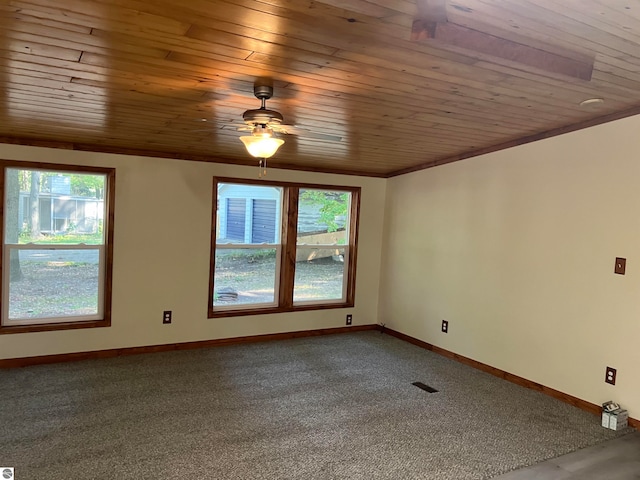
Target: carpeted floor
[332, 407]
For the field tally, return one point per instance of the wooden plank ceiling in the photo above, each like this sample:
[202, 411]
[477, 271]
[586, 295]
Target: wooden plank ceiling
[405, 85]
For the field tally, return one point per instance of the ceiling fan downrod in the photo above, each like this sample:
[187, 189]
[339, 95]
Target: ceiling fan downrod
[262, 115]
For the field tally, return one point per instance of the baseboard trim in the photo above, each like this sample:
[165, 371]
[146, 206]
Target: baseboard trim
[510, 377]
[117, 352]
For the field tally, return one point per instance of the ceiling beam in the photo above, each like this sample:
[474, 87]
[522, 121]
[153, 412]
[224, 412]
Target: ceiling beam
[432, 24]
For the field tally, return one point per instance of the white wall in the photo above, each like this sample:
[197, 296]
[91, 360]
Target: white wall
[161, 256]
[516, 250]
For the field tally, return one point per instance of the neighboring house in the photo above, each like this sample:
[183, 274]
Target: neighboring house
[249, 214]
[60, 212]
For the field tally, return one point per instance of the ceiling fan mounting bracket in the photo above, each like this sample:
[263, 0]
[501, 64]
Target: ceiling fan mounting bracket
[263, 92]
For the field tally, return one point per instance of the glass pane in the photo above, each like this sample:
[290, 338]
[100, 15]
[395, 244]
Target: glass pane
[49, 207]
[245, 276]
[53, 283]
[323, 217]
[248, 214]
[320, 274]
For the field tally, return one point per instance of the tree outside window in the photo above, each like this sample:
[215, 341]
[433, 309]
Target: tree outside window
[56, 246]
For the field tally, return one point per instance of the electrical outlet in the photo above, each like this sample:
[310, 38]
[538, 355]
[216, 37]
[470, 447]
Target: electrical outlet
[349, 319]
[610, 376]
[445, 326]
[166, 317]
[621, 265]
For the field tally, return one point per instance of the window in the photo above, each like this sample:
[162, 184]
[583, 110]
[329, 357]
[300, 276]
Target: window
[57, 246]
[282, 247]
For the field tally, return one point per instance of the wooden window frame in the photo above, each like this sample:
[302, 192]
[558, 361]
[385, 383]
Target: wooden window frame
[288, 236]
[109, 199]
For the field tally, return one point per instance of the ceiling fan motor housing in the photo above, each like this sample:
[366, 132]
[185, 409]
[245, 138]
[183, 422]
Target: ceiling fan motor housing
[262, 116]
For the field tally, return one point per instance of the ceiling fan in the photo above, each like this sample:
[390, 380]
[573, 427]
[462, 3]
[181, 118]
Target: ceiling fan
[263, 123]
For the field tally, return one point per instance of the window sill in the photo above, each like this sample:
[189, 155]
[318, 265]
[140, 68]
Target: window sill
[48, 327]
[272, 310]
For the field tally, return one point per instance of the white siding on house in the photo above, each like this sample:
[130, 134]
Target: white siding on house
[250, 193]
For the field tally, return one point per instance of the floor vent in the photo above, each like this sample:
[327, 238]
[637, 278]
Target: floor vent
[424, 387]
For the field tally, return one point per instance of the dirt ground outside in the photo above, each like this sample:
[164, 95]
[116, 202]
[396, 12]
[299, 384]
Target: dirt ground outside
[251, 280]
[54, 288]
[58, 287]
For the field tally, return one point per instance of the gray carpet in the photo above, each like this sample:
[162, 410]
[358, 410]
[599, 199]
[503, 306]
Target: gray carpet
[333, 407]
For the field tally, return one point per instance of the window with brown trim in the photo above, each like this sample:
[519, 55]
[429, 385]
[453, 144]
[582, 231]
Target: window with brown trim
[279, 247]
[57, 231]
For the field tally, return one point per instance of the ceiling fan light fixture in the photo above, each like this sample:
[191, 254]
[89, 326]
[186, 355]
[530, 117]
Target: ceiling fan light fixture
[262, 131]
[261, 146]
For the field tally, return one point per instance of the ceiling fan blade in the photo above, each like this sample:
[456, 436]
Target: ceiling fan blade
[303, 132]
[238, 127]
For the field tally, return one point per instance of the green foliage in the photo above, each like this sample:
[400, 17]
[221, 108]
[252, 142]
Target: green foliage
[87, 185]
[25, 235]
[249, 254]
[82, 185]
[333, 206]
[68, 238]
